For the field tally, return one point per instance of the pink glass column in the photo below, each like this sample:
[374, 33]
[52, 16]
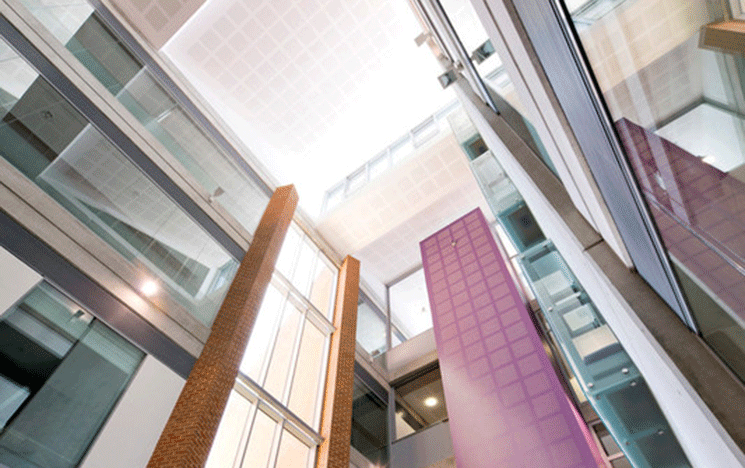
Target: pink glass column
[505, 403]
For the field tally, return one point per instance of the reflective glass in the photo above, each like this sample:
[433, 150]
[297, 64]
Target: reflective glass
[674, 91]
[262, 334]
[323, 286]
[420, 403]
[292, 452]
[61, 373]
[409, 305]
[371, 328]
[51, 143]
[306, 391]
[379, 165]
[304, 268]
[260, 442]
[284, 345]
[226, 448]
[369, 424]
[288, 253]
[81, 31]
[356, 180]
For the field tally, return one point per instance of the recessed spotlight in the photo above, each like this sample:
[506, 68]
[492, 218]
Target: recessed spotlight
[149, 288]
[430, 402]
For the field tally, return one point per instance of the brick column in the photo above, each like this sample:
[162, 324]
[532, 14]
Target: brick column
[336, 419]
[190, 431]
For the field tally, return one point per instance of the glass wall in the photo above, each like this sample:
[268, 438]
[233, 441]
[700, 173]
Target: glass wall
[372, 326]
[61, 373]
[370, 424]
[597, 364]
[274, 413]
[675, 91]
[287, 351]
[420, 401]
[48, 141]
[308, 269]
[91, 41]
[253, 435]
[409, 305]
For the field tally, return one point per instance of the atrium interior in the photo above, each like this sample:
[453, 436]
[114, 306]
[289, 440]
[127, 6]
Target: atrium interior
[547, 202]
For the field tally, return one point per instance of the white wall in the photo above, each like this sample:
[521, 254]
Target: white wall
[129, 436]
[16, 279]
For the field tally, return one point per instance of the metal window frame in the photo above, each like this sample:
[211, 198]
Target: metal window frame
[557, 46]
[60, 273]
[177, 93]
[100, 120]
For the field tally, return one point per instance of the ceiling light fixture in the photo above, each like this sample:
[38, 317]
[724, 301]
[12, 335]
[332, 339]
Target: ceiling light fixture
[430, 402]
[149, 288]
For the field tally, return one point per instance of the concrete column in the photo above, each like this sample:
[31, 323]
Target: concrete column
[189, 433]
[336, 419]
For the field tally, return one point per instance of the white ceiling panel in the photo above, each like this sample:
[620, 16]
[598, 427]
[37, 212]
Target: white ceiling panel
[315, 88]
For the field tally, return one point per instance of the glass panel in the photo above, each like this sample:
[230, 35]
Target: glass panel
[304, 269]
[334, 197]
[279, 366]
[292, 452]
[401, 150]
[226, 447]
[82, 32]
[420, 403]
[369, 424]
[63, 372]
[356, 180]
[605, 372]
[262, 334]
[45, 138]
[606, 440]
[305, 392]
[410, 305]
[379, 165]
[674, 91]
[286, 259]
[260, 442]
[621, 463]
[323, 286]
[371, 328]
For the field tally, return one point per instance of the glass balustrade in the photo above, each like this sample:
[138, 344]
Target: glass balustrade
[92, 42]
[606, 375]
[673, 86]
[45, 138]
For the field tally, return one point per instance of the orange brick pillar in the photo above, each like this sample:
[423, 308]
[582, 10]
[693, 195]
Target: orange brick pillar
[190, 431]
[336, 419]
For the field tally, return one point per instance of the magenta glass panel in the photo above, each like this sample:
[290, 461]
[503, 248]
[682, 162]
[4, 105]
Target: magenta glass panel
[505, 403]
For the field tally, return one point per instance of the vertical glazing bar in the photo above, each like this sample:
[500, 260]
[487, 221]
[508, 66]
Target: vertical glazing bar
[188, 435]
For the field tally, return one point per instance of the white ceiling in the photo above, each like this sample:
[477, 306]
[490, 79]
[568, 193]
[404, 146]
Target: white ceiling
[383, 222]
[315, 88]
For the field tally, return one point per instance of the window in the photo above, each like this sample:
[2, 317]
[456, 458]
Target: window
[61, 373]
[46, 139]
[80, 29]
[275, 409]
